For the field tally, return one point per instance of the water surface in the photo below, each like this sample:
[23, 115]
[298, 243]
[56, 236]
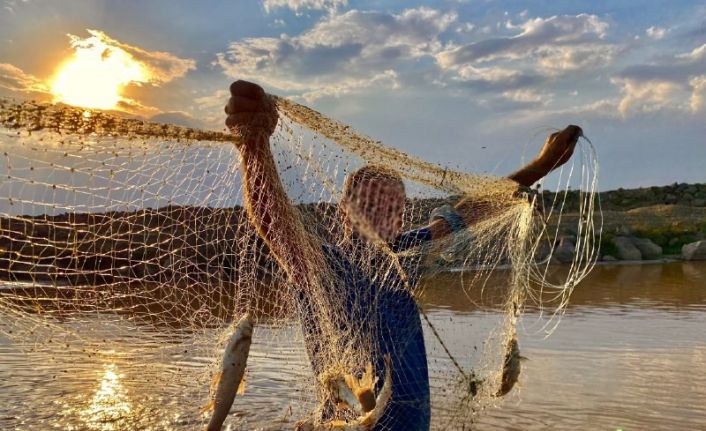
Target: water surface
[628, 353]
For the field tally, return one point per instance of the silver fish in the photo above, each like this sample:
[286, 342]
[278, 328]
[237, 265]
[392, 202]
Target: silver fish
[229, 379]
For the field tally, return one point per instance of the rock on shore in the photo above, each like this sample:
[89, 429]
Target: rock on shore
[625, 249]
[694, 251]
[648, 249]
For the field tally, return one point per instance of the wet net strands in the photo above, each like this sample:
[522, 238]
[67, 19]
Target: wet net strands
[111, 225]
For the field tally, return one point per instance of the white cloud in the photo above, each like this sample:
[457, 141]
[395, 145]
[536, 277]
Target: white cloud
[300, 5]
[656, 33]
[515, 68]
[465, 27]
[648, 96]
[387, 79]
[340, 53]
[698, 95]
[494, 79]
[218, 98]
[209, 108]
[528, 96]
[669, 83]
[11, 5]
[563, 59]
[555, 45]
[577, 113]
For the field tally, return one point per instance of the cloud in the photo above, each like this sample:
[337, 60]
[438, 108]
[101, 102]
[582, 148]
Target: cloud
[698, 95]
[11, 5]
[542, 113]
[299, 5]
[551, 46]
[15, 80]
[537, 36]
[675, 82]
[161, 66]
[697, 33]
[101, 70]
[219, 98]
[528, 96]
[466, 27]
[137, 108]
[210, 108]
[495, 79]
[178, 118]
[340, 53]
[516, 67]
[387, 79]
[656, 33]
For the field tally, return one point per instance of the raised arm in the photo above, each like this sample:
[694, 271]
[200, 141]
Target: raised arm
[252, 118]
[557, 150]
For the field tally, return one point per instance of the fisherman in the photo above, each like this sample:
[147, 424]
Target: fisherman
[373, 197]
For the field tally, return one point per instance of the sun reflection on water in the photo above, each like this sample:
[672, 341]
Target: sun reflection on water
[110, 406]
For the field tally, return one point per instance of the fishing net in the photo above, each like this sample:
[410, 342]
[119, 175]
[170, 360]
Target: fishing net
[127, 253]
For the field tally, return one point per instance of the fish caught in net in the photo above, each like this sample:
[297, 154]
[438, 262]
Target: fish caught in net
[130, 250]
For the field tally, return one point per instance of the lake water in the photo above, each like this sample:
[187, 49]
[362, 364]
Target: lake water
[629, 353]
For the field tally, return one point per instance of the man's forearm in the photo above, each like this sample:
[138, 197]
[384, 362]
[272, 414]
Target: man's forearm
[272, 214]
[530, 173]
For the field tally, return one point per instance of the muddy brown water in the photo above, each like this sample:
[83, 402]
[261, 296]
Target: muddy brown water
[629, 353]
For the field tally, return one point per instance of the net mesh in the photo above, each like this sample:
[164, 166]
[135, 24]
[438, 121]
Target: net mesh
[127, 252]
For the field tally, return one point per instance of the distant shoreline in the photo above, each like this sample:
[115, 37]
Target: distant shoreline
[198, 243]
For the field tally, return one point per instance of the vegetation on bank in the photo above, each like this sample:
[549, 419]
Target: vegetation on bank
[683, 194]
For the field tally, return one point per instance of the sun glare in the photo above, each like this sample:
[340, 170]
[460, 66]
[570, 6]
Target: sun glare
[95, 76]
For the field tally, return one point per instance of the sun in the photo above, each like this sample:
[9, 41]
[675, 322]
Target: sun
[95, 75]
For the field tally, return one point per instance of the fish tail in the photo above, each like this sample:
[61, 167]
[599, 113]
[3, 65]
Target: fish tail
[241, 386]
[208, 407]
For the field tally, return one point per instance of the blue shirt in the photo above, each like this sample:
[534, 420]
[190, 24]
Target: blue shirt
[397, 331]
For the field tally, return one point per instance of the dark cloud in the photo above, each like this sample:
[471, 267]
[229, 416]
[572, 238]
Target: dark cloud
[696, 34]
[676, 69]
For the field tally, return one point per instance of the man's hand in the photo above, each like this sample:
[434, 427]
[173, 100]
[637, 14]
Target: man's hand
[251, 113]
[556, 151]
[559, 147]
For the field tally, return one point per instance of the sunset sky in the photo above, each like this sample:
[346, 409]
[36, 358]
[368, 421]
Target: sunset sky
[474, 85]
